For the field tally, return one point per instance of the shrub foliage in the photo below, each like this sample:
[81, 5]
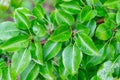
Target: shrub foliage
[77, 40]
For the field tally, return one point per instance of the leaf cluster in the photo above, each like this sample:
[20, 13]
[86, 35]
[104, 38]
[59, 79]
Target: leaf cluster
[78, 40]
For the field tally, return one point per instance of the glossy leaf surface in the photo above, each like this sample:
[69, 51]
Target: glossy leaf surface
[62, 17]
[15, 43]
[31, 72]
[61, 34]
[8, 30]
[86, 45]
[71, 7]
[87, 14]
[20, 61]
[71, 57]
[51, 49]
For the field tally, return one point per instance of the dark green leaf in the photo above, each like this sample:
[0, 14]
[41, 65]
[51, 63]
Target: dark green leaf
[81, 75]
[16, 3]
[62, 71]
[101, 11]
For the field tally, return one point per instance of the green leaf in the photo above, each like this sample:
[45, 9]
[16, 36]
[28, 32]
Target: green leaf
[38, 11]
[39, 14]
[101, 11]
[52, 18]
[93, 61]
[71, 7]
[39, 52]
[103, 32]
[16, 3]
[62, 17]
[15, 43]
[20, 61]
[71, 57]
[36, 52]
[1, 74]
[105, 72]
[87, 14]
[118, 17]
[82, 29]
[81, 75]
[8, 30]
[95, 78]
[117, 35]
[112, 4]
[25, 11]
[21, 20]
[7, 74]
[62, 71]
[93, 2]
[51, 49]
[39, 30]
[2, 63]
[110, 52]
[31, 72]
[110, 21]
[107, 69]
[47, 71]
[92, 26]
[117, 47]
[86, 44]
[61, 34]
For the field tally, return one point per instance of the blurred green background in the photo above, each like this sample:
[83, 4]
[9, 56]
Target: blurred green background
[7, 7]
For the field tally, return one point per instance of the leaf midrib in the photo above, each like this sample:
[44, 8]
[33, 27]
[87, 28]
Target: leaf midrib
[86, 45]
